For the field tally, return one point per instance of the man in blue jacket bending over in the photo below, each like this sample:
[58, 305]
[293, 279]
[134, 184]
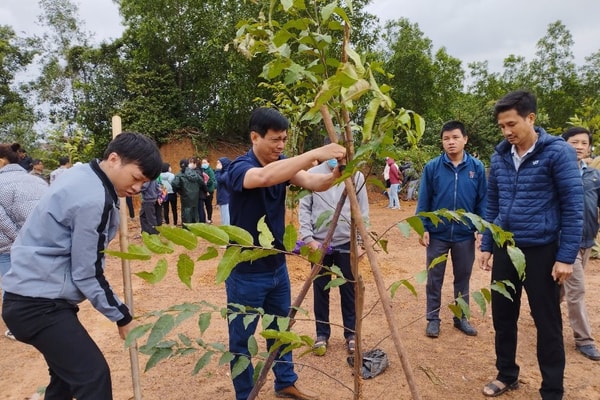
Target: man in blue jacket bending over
[454, 180]
[535, 192]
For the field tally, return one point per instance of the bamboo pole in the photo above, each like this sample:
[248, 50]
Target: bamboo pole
[127, 287]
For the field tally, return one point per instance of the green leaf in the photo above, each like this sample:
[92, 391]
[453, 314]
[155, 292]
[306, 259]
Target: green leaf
[416, 223]
[267, 320]
[360, 69]
[369, 119]
[203, 362]
[456, 310]
[157, 356]
[323, 218]
[355, 91]
[227, 264]
[218, 346]
[183, 315]
[421, 277]
[500, 287]
[315, 256]
[136, 333]
[248, 319]
[404, 228]
[179, 236]
[134, 252]
[157, 274]
[283, 323]
[480, 300]
[184, 339]
[404, 283]
[335, 283]
[161, 328]
[432, 216]
[255, 254]
[383, 243]
[155, 245]
[290, 237]
[257, 369]
[210, 233]
[204, 321]
[281, 37]
[328, 10]
[265, 237]
[438, 260]
[287, 4]
[238, 235]
[252, 346]
[464, 307]
[518, 259]
[240, 366]
[226, 358]
[209, 254]
[487, 294]
[185, 269]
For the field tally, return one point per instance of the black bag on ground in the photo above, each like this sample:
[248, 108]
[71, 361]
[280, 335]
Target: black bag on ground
[374, 362]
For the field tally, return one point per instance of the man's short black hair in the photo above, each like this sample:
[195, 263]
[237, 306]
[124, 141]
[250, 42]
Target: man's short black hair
[9, 151]
[576, 130]
[263, 119]
[63, 160]
[522, 101]
[452, 125]
[135, 148]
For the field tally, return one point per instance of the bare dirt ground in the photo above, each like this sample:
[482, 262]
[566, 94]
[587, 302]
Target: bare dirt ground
[453, 366]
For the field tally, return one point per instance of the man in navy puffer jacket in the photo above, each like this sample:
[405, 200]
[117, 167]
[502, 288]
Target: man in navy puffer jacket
[534, 191]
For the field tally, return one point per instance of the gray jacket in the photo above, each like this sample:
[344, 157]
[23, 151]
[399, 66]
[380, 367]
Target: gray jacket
[19, 193]
[317, 208]
[59, 252]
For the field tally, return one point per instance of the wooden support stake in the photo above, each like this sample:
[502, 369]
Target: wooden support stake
[127, 287]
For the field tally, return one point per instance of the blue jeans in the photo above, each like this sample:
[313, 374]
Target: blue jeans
[224, 214]
[394, 202]
[271, 291]
[4, 263]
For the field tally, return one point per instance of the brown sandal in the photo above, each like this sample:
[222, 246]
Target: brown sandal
[496, 388]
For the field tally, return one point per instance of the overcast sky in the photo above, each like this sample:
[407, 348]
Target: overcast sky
[471, 30]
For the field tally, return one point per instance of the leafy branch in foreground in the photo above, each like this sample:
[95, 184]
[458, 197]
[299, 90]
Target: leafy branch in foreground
[501, 237]
[161, 342]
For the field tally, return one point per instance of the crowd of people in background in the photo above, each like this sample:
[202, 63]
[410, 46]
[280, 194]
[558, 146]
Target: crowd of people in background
[540, 187]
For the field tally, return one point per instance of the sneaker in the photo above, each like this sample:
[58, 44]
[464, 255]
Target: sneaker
[351, 345]
[433, 328]
[293, 392]
[9, 335]
[589, 351]
[320, 346]
[465, 327]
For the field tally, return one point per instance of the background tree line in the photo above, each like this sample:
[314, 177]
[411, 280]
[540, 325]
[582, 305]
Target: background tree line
[174, 72]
